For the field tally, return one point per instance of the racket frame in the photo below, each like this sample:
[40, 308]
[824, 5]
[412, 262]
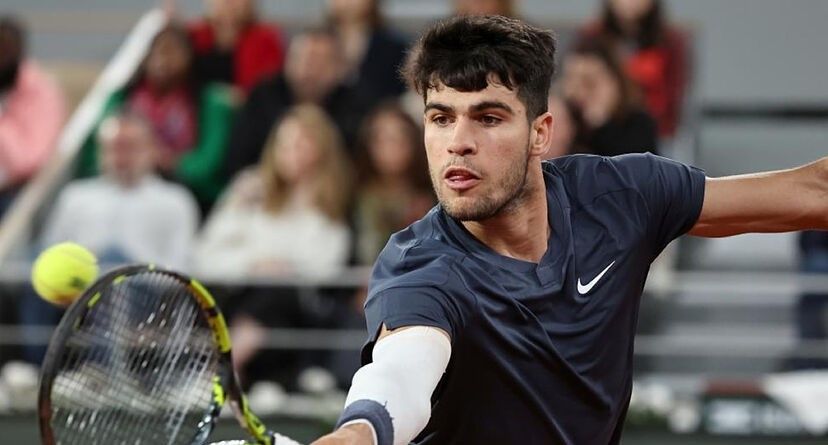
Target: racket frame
[226, 387]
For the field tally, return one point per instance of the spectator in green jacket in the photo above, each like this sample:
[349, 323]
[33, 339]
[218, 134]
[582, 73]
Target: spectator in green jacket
[191, 120]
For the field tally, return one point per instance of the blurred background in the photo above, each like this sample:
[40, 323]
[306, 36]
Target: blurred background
[268, 148]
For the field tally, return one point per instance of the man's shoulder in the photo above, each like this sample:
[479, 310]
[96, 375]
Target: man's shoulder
[421, 254]
[588, 176]
[584, 163]
[423, 242]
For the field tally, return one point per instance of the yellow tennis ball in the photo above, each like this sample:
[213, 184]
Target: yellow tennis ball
[61, 272]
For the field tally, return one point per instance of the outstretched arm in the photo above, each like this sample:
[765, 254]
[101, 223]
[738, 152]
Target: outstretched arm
[390, 398]
[778, 201]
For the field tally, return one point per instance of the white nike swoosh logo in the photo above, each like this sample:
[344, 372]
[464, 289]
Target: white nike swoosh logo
[583, 290]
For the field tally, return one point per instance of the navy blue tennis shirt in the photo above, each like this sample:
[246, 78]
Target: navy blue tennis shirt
[541, 353]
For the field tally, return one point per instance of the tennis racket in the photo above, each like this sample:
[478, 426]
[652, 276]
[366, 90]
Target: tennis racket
[142, 357]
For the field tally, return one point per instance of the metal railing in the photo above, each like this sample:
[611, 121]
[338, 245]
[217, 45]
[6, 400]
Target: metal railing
[774, 291]
[645, 345]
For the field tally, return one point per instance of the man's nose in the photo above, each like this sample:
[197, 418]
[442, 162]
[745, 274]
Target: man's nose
[462, 140]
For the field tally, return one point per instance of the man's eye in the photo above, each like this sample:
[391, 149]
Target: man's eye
[440, 119]
[490, 120]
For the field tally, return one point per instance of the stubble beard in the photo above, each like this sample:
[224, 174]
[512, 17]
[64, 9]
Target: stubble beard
[488, 206]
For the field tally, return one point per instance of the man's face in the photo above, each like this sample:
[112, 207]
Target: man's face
[477, 145]
[313, 66]
[127, 150]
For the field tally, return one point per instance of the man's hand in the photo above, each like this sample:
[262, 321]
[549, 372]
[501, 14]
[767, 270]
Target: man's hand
[354, 434]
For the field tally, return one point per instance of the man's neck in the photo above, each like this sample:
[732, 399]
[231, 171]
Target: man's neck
[521, 233]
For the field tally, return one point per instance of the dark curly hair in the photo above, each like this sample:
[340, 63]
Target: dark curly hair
[467, 53]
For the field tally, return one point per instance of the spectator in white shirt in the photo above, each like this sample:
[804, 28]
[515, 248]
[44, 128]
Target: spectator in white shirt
[127, 214]
[287, 215]
[284, 217]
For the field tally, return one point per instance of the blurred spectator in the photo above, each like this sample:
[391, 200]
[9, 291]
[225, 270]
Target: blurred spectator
[372, 52]
[564, 127]
[127, 214]
[284, 217]
[605, 103]
[128, 211]
[191, 120]
[313, 73]
[232, 46]
[31, 112]
[653, 51]
[485, 7]
[394, 189]
[812, 307]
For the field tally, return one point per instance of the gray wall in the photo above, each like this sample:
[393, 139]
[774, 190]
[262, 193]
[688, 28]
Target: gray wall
[750, 51]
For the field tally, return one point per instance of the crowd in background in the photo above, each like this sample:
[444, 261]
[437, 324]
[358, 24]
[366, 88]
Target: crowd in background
[237, 150]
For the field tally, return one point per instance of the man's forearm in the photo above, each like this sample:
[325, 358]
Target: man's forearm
[768, 202]
[821, 193]
[823, 167]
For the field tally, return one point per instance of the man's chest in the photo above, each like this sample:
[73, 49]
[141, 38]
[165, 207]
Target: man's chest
[590, 297]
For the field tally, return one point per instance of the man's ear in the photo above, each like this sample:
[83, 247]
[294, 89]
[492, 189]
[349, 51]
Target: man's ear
[541, 134]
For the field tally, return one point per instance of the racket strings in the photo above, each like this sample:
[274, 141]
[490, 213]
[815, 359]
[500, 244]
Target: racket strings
[138, 367]
[158, 391]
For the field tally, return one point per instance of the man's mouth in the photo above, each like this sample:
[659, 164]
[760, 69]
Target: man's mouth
[460, 178]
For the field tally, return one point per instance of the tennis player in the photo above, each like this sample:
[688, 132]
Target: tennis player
[507, 314]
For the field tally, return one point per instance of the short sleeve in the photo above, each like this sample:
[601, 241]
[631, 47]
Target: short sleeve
[674, 194]
[409, 306]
